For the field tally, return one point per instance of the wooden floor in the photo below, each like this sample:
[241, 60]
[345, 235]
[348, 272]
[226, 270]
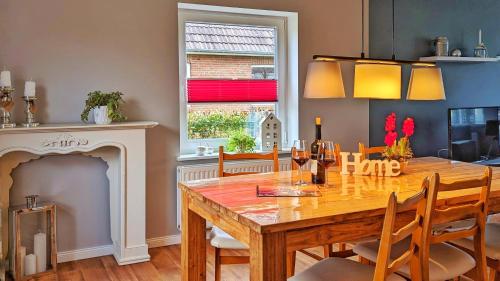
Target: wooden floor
[164, 266]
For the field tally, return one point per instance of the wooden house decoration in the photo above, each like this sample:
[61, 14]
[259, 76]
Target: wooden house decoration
[270, 132]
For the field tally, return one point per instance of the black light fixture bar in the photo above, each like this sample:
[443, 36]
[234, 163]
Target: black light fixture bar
[363, 59]
[372, 60]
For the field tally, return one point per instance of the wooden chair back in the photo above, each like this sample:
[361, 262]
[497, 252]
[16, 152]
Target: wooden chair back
[338, 159]
[367, 151]
[391, 235]
[246, 156]
[453, 212]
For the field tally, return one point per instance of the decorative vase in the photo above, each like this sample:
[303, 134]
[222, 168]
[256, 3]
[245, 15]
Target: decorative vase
[101, 115]
[403, 164]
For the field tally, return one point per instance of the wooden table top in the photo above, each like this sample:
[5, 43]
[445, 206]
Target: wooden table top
[350, 197]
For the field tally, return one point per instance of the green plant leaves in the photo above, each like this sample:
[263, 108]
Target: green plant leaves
[241, 141]
[112, 100]
[214, 125]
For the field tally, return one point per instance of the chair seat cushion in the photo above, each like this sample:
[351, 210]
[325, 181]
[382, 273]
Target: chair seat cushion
[222, 240]
[446, 262]
[492, 239]
[339, 269]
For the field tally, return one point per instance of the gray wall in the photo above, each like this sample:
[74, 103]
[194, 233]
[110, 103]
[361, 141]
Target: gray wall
[466, 85]
[71, 47]
[82, 197]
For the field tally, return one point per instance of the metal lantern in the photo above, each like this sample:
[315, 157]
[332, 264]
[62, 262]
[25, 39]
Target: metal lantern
[33, 251]
[270, 132]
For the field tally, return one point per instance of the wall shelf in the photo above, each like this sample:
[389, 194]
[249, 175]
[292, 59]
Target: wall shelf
[457, 59]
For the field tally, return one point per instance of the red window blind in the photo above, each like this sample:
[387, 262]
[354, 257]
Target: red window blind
[225, 90]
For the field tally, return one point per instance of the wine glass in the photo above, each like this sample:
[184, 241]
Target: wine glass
[326, 157]
[300, 154]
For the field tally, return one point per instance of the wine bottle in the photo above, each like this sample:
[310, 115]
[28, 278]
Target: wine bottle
[317, 171]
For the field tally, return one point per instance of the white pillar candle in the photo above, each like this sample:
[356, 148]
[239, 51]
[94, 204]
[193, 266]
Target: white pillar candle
[29, 89]
[480, 37]
[5, 79]
[22, 253]
[40, 251]
[30, 264]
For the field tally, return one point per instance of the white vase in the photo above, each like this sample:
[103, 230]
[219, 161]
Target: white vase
[101, 115]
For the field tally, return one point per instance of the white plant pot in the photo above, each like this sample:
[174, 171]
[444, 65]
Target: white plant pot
[101, 115]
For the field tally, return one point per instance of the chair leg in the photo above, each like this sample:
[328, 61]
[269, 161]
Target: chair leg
[327, 249]
[290, 263]
[217, 264]
[494, 275]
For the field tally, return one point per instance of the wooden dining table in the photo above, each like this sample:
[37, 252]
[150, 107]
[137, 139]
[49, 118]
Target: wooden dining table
[350, 209]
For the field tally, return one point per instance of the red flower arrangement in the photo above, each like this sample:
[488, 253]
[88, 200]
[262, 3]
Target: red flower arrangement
[398, 150]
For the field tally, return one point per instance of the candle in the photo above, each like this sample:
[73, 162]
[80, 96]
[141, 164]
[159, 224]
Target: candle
[22, 253]
[30, 264]
[40, 251]
[29, 89]
[5, 79]
[480, 37]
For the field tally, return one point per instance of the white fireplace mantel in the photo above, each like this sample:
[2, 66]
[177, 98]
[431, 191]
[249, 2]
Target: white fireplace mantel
[121, 145]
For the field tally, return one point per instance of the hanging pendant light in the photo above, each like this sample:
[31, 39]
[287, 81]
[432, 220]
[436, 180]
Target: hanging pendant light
[324, 80]
[377, 81]
[426, 83]
[381, 78]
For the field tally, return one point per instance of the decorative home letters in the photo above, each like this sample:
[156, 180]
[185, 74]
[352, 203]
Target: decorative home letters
[379, 168]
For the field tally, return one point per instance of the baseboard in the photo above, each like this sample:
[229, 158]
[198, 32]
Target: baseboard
[164, 241]
[85, 253]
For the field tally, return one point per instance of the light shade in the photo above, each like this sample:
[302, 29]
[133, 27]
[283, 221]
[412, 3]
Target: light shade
[426, 83]
[377, 81]
[324, 80]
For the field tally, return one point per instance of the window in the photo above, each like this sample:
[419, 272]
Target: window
[235, 73]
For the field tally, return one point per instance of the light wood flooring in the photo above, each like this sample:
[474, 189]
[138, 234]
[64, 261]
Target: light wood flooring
[164, 266]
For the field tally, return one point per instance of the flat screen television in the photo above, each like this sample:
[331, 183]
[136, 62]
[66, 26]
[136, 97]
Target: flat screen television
[473, 135]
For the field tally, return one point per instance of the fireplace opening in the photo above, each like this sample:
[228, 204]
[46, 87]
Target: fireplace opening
[79, 186]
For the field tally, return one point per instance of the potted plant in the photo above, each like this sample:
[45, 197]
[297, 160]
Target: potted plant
[399, 150]
[105, 106]
[241, 142]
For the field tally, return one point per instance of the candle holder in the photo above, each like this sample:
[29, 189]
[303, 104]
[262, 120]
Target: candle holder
[29, 111]
[6, 105]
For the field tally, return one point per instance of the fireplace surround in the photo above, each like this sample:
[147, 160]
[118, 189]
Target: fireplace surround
[121, 145]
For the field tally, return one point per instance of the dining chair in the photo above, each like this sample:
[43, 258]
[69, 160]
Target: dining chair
[338, 159]
[492, 248]
[340, 269]
[444, 261]
[219, 239]
[367, 151]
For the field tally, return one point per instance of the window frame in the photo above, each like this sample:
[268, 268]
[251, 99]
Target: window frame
[286, 63]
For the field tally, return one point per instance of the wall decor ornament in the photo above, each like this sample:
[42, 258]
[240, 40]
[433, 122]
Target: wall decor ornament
[378, 168]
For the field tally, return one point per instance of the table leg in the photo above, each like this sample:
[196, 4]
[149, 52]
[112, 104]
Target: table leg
[193, 247]
[268, 256]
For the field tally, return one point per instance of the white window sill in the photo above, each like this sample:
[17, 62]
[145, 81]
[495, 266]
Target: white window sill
[195, 157]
